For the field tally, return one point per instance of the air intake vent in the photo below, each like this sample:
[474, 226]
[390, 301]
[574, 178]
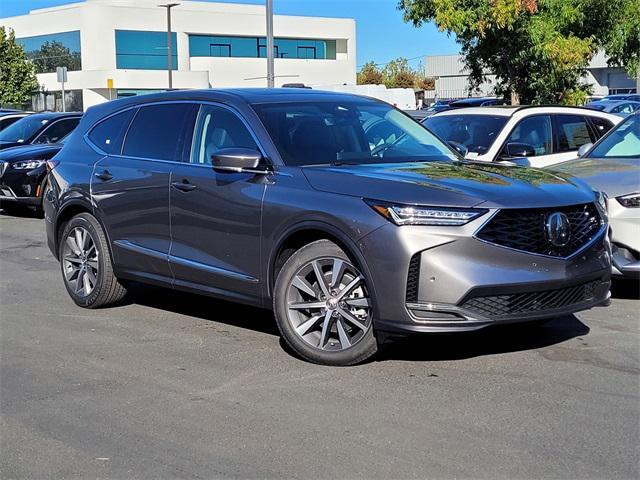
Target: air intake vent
[497, 306]
[413, 278]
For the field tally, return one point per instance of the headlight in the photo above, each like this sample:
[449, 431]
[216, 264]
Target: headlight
[419, 215]
[601, 202]
[630, 201]
[28, 164]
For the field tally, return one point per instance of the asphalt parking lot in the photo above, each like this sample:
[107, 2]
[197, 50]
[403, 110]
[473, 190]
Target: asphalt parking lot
[177, 386]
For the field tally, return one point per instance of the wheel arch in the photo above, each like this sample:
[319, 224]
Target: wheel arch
[69, 210]
[303, 233]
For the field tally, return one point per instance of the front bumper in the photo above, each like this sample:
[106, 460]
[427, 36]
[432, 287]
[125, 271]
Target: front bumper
[443, 279]
[625, 239]
[22, 186]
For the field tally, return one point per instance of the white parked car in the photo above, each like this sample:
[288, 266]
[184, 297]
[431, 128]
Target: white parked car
[612, 166]
[545, 135]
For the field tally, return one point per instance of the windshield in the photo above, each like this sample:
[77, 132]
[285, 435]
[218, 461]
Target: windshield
[352, 131]
[476, 132]
[597, 106]
[23, 129]
[622, 142]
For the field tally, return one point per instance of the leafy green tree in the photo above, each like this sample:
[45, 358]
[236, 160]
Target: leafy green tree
[369, 74]
[538, 49]
[17, 75]
[52, 55]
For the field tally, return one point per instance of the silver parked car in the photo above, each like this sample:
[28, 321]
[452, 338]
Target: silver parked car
[613, 166]
[621, 108]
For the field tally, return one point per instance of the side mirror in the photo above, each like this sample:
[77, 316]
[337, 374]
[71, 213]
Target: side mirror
[584, 149]
[458, 147]
[236, 159]
[517, 149]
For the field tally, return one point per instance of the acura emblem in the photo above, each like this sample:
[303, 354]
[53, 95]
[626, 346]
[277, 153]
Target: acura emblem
[558, 229]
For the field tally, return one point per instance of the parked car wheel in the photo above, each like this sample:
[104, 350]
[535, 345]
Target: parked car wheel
[323, 306]
[86, 264]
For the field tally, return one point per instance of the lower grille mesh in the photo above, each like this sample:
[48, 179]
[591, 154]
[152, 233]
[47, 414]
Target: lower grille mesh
[520, 303]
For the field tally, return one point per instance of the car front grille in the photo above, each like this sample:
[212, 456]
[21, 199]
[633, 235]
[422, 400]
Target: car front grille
[524, 229]
[413, 278]
[496, 306]
[3, 167]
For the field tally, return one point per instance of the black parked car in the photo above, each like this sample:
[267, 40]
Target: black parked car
[23, 171]
[47, 127]
[341, 213]
[9, 117]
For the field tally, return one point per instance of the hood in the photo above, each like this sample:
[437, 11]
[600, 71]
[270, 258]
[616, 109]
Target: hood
[457, 184]
[4, 145]
[30, 152]
[613, 176]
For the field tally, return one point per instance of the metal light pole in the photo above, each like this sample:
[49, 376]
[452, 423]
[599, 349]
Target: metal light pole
[168, 6]
[270, 45]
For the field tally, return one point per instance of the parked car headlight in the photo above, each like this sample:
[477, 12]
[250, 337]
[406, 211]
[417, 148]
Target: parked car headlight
[28, 164]
[630, 201]
[423, 215]
[601, 202]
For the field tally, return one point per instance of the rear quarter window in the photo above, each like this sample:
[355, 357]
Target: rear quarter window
[601, 125]
[109, 134]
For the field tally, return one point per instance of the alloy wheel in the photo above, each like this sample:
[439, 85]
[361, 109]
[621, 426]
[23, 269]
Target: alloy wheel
[80, 262]
[328, 304]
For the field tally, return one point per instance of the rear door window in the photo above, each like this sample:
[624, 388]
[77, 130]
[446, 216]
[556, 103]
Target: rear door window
[572, 132]
[535, 131]
[158, 131]
[109, 134]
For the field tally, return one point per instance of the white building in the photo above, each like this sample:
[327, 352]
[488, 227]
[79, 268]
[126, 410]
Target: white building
[452, 79]
[123, 44]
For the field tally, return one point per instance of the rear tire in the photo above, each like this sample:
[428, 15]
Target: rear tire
[85, 262]
[323, 306]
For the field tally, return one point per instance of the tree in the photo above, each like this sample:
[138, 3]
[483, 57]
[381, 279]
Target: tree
[538, 49]
[369, 74]
[54, 54]
[17, 75]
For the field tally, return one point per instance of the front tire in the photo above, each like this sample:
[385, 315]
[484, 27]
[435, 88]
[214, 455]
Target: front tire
[323, 306]
[86, 265]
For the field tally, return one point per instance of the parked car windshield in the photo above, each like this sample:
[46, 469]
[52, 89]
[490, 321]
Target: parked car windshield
[623, 142]
[22, 130]
[476, 132]
[352, 131]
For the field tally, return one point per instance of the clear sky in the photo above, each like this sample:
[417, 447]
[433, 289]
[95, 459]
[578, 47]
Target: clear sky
[382, 35]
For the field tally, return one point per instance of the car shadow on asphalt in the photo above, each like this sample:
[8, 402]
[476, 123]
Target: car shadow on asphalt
[438, 347]
[488, 341]
[203, 307]
[625, 289]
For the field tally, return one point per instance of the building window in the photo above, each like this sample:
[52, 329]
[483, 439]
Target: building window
[256, 47]
[138, 50]
[53, 50]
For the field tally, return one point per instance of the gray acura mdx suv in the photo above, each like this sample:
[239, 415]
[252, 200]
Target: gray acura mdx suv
[340, 212]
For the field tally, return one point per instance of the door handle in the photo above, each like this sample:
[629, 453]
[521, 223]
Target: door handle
[184, 185]
[104, 175]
